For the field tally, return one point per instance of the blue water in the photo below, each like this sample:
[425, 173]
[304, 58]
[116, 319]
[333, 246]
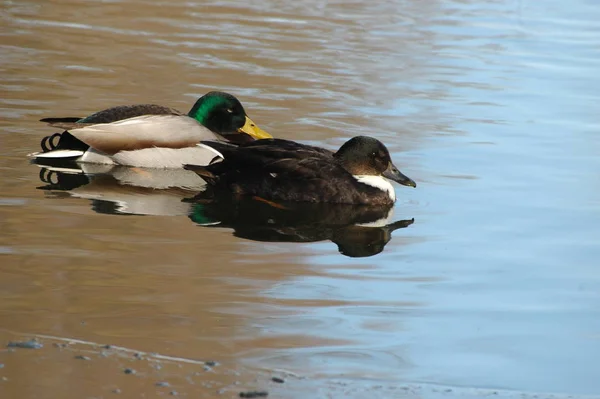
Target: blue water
[497, 283]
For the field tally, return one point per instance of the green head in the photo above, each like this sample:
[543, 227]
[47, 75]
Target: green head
[222, 113]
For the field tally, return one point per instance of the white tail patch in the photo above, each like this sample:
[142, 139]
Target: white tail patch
[379, 182]
[58, 154]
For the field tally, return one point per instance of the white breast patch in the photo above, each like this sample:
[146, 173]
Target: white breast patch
[379, 182]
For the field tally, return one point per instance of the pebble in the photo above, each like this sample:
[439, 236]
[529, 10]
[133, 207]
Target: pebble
[278, 380]
[173, 393]
[31, 344]
[81, 357]
[254, 394]
[163, 384]
[116, 391]
[129, 371]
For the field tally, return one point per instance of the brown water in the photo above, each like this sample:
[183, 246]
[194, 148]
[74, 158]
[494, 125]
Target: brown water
[490, 106]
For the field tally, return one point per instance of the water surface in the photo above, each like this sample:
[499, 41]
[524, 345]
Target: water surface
[490, 106]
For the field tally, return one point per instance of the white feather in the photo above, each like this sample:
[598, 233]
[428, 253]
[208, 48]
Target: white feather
[58, 154]
[379, 182]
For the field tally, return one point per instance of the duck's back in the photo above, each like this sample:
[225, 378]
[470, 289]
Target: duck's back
[282, 170]
[110, 115]
[128, 111]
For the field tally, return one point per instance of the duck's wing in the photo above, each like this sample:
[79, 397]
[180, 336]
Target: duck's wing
[255, 168]
[305, 169]
[260, 153]
[275, 146]
[56, 121]
[148, 131]
[111, 115]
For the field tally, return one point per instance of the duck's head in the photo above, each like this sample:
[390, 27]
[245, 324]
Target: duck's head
[367, 157]
[222, 113]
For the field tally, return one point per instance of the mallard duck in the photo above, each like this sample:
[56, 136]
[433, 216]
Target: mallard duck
[149, 135]
[283, 170]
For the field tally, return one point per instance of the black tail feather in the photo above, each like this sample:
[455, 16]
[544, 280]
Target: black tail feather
[48, 143]
[60, 120]
[66, 141]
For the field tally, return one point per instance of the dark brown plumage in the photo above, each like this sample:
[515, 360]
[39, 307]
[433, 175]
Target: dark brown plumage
[283, 170]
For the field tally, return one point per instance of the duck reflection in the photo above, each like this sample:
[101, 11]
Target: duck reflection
[357, 230]
[121, 190]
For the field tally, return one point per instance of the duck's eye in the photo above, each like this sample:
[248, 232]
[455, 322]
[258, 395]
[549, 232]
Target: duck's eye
[230, 110]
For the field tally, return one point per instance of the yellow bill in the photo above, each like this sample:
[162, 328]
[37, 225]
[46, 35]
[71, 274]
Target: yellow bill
[251, 129]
